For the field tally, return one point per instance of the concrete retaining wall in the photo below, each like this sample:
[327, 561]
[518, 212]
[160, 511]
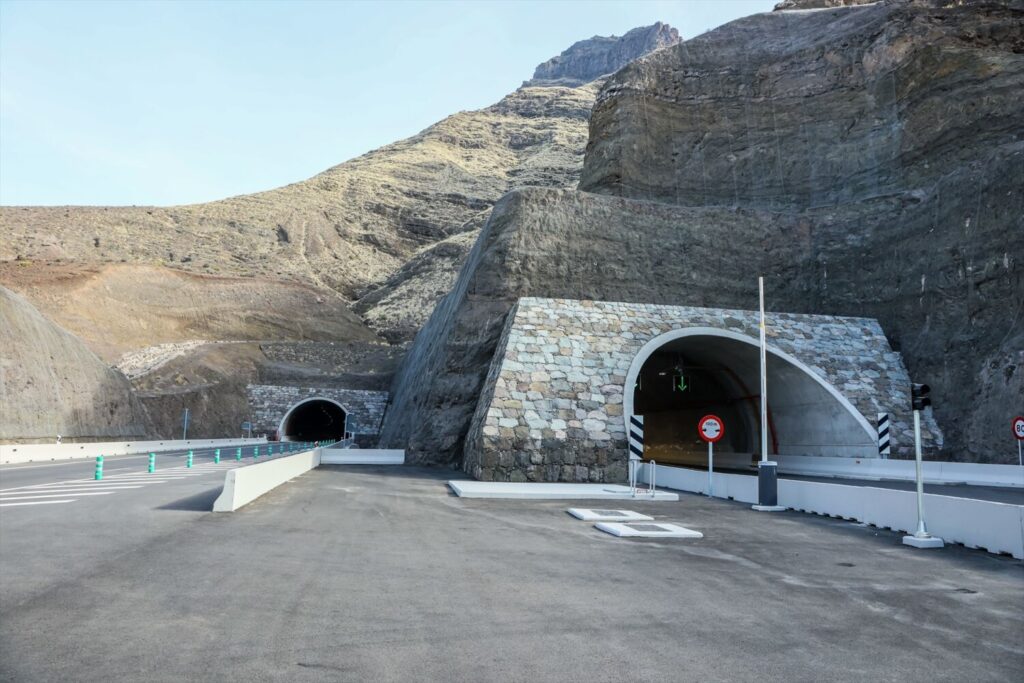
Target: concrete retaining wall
[995, 527]
[243, 485]
[68, 451]
[362, 456]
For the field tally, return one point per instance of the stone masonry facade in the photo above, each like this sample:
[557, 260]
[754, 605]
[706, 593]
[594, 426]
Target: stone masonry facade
[269, 404]
[552, 405]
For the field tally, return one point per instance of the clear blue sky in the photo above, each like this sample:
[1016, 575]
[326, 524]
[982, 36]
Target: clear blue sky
[180, 102]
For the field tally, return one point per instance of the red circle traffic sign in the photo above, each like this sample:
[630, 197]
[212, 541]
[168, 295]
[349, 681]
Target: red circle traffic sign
[711, 428]
[1018, 427]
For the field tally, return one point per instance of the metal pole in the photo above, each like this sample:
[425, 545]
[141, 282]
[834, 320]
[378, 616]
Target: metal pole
[921, 531]
[184, 430]
[1020, 462]
[711, 468]
[767, 470]
[920, 538]
[764, 376]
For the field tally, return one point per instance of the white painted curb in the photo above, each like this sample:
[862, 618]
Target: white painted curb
[362, 456]
[467, 488]
[243, 485]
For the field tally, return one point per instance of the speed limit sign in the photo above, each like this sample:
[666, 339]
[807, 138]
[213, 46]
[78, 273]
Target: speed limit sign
[1018, 427]
[711, 428]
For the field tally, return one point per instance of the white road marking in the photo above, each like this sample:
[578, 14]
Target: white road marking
[35, 502]
[28, 495]
[127, 481]
[42, 489]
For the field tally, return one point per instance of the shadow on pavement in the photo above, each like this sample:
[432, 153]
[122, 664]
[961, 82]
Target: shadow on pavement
[200, 502]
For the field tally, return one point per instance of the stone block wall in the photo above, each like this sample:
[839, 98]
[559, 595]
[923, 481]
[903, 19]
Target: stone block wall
[269, 404]
[552, 404]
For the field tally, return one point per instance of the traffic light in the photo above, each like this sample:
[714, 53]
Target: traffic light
[920, 396]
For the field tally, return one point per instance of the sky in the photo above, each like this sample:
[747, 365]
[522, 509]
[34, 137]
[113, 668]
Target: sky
[163, 103]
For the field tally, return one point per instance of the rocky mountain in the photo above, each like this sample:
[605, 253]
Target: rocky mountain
[866, 159]
[599, 56]
[360, 252]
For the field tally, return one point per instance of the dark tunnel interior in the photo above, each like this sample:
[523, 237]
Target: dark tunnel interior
[315, 420]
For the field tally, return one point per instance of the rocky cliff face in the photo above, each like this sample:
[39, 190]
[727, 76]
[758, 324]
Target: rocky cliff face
[880, 148]
[363, 249]
[91, 400]
[600, 56]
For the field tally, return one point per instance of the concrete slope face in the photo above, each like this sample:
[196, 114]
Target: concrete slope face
[50, 383]
[867, 160]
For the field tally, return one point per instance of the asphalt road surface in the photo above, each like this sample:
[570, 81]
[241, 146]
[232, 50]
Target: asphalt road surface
[378, 574]
[41, 474]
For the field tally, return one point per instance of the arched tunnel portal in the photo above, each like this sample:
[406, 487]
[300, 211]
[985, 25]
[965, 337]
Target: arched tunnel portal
[685, 374]
[314, 419]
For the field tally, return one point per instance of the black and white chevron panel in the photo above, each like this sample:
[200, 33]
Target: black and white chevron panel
[883, 435]
[636, 437]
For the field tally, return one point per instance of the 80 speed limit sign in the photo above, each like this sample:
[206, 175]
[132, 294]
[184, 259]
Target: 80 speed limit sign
[1018, 427]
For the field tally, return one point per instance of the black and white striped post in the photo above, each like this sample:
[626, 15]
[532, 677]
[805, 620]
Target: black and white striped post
[636, 446]
[883, 435]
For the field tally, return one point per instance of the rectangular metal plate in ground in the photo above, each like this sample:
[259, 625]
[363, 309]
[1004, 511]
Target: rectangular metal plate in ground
[644, 530]
[591, 515]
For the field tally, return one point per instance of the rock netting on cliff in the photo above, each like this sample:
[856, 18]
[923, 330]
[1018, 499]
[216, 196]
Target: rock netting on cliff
[867, 160]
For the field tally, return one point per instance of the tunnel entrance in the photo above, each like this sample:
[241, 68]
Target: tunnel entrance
[683, 375]
[315, 419]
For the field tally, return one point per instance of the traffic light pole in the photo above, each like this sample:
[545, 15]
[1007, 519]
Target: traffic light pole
[921, 537]
[767, 470]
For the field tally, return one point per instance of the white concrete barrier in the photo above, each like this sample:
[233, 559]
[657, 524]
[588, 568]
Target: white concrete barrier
[995, 527]
[34, 452]
[934, 472]
[243, 485]
[362, 456]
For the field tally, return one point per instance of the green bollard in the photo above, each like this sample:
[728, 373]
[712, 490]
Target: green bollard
[216, 457]
[152, 463]
[99, 467]
[188, 461]
[256, 453]
[238, 454]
